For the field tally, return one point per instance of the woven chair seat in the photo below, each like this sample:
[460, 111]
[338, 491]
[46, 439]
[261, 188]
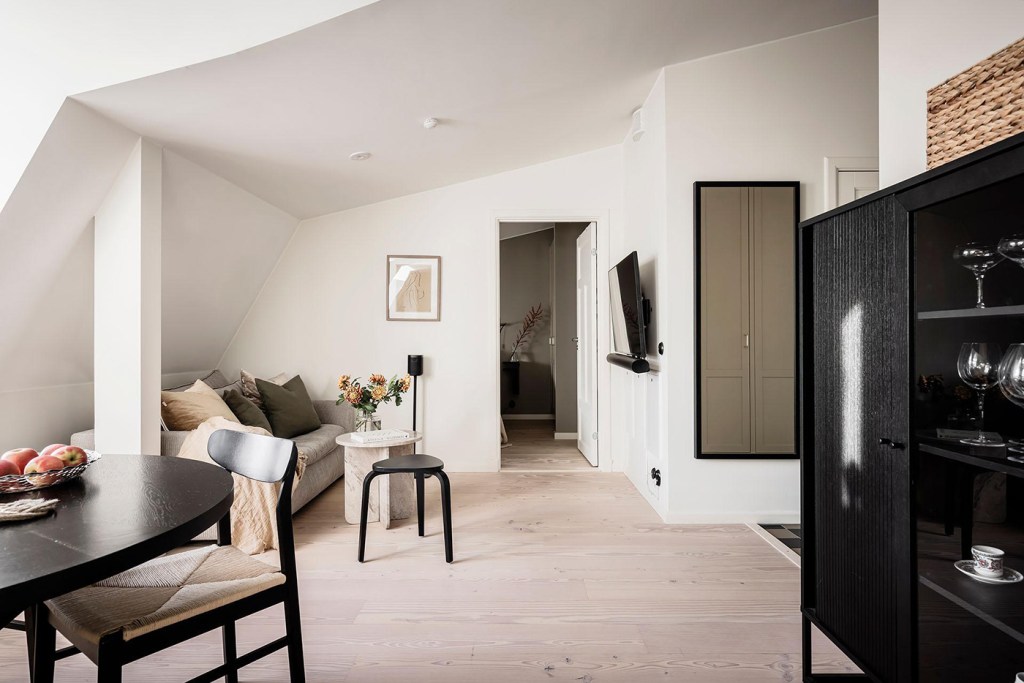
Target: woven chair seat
[159, 593]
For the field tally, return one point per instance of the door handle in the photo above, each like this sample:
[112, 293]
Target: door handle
[895, 445]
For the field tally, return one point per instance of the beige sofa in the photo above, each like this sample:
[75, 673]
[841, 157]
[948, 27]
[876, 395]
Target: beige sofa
[325, 459]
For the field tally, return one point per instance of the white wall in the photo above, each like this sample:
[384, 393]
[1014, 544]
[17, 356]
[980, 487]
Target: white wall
[638, 404]
[46, 276]
[770, 112]
[127, 308]
[220, 244]
[921, 43]
[321, 312]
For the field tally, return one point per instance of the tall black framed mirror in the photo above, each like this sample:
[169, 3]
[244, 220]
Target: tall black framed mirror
[745, 308]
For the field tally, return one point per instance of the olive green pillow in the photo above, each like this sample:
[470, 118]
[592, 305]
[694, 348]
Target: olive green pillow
[246, 411]
[288, 407]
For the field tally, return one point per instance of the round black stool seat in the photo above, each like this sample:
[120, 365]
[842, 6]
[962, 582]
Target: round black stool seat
[421, 467]
[419, 463]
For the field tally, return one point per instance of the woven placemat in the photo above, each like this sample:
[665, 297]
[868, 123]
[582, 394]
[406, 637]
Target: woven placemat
[26, 509]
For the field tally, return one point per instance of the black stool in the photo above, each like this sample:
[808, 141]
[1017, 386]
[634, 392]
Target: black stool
[422, 466]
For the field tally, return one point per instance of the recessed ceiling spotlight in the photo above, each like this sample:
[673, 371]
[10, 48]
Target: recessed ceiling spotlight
[359, 156]
[430, 122]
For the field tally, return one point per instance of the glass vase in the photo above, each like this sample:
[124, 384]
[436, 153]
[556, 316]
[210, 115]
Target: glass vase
[367, 421]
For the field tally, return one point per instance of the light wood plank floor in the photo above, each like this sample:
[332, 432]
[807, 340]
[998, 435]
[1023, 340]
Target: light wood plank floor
[558, 577]
[532, 447]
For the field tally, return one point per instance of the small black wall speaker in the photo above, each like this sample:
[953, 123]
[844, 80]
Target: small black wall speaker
[415, 365]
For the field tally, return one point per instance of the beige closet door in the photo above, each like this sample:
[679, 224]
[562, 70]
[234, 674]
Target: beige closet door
[725, 320]
[774, 318]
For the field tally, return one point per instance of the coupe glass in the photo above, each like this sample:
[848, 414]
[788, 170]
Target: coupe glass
[1011, 383]
[977, 258]
[1012, 247]
[978, 367]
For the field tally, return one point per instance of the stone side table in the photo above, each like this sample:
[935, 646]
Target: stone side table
[391, 497]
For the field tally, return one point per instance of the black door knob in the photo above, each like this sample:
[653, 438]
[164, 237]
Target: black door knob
[885, 442]
[896, 445]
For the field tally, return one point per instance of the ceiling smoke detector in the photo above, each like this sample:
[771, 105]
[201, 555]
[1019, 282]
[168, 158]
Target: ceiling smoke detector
[359, 156]
[430, 122]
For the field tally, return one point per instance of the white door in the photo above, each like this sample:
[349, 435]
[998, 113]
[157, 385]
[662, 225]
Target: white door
[852, 185]
[586, 344]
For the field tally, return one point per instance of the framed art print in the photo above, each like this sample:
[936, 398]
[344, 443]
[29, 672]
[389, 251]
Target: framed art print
[414, 288]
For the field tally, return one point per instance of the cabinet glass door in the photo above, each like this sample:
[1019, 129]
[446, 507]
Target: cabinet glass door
[969, 628]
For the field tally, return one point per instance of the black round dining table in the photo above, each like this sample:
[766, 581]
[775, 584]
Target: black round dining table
[123, 511]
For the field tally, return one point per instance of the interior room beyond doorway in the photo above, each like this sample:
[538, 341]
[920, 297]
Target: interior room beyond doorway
[540, 341]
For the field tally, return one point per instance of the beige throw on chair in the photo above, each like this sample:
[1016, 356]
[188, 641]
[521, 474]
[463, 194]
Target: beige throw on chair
[253, 524]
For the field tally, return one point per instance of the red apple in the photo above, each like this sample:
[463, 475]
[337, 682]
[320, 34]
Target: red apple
[21, 457]
[70, 455]
[8, 467]
[44, 463]
[44, 468]
[49, 450]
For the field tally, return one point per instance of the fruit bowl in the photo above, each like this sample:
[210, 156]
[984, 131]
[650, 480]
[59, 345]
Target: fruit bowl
[19, 483]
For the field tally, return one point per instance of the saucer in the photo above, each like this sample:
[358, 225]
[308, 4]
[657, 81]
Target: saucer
[1009, 575]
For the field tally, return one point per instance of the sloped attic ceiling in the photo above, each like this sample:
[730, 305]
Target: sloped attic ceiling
[514, 82]
[51, 50]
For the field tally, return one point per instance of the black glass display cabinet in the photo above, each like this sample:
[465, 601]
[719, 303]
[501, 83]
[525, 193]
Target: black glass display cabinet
[891, 498]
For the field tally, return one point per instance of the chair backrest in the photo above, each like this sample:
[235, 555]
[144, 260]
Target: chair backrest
[263, 458]
[267, 459]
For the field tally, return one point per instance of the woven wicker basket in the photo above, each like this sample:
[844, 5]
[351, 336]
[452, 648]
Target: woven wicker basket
[977, 107]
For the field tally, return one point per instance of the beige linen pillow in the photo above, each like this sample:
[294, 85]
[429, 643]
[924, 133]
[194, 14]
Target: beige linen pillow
[183, 411]
[250, 390]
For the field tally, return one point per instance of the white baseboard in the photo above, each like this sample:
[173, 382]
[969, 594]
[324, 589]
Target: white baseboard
[783, 549]
[567, 436]
[526, 416]
[780, 517]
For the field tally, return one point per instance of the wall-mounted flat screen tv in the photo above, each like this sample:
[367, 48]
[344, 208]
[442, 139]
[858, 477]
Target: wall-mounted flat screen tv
[627, 308]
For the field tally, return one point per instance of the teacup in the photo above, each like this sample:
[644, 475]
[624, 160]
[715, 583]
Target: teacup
[988, 561]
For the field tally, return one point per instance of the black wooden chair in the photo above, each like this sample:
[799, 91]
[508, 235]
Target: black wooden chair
[177, 597]
[422, 467]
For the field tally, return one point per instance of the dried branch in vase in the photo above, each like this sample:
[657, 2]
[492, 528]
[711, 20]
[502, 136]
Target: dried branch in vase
[530, 323]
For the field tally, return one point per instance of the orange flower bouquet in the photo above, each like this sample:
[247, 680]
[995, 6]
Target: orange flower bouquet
[367, 398]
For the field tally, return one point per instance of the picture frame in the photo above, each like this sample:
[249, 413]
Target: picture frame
[413, 291]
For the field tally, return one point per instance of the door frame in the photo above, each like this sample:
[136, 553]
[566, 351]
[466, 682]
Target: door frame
[698, 407]
[606, 460]
[834, 165]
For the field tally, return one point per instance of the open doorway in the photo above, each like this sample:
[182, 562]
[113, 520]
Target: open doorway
[548, 342]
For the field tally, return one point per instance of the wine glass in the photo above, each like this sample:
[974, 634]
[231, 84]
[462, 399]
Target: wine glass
[1012, 247]
[1011, 383]
[978, 367]
[977, 258]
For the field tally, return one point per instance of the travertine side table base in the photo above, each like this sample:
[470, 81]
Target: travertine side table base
[391, 497]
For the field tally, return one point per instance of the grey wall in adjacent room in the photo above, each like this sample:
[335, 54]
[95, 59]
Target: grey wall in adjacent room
[565, 325]
[525, 282]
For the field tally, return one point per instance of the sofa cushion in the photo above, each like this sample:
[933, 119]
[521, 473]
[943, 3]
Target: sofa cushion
[186, 410]
[246, 411]
[234, 386]
[288, 407]
[318, 443]
[252, 392]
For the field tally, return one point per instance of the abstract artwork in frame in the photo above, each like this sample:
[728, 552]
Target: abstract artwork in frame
[414, 288]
